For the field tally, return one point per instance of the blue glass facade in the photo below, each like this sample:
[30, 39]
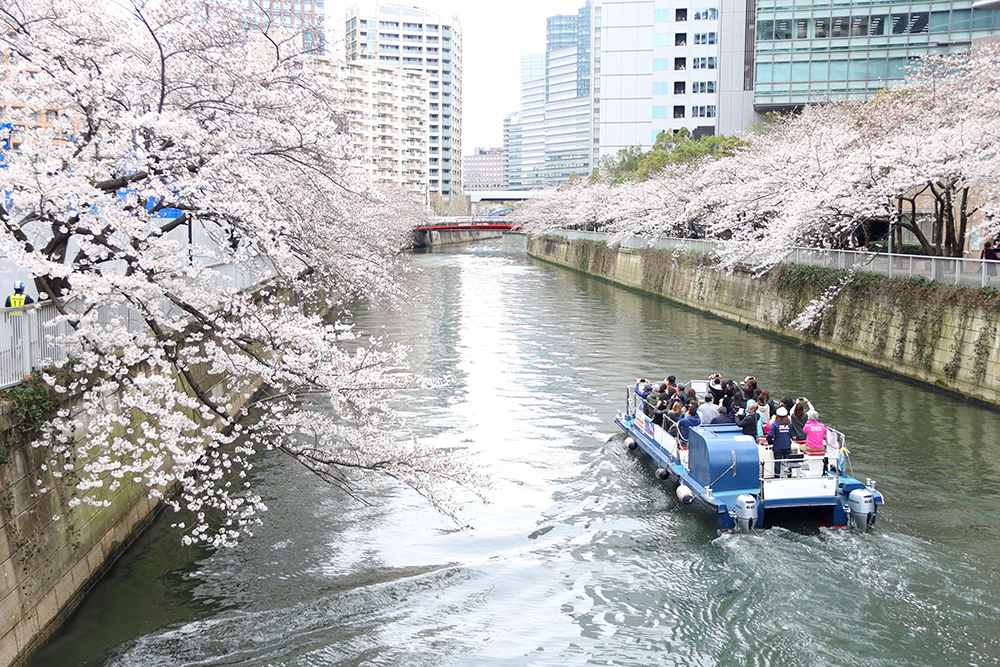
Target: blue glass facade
[814, 51]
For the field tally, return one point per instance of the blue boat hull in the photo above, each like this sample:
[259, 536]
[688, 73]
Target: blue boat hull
[714, 490]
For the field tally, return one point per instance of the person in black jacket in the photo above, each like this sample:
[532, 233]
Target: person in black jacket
[780, 436]
[749, 421]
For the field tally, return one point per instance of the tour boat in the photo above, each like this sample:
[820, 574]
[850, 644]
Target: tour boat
[730, 476]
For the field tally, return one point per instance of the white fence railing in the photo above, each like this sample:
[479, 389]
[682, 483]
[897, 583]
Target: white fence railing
[31, 336]
[952, 270]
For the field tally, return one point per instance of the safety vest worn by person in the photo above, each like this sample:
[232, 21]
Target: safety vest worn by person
[17, 301]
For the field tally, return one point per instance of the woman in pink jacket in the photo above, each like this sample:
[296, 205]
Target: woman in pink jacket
[815, 433]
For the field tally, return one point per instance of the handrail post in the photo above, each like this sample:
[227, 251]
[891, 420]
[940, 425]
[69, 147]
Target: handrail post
[27, 326]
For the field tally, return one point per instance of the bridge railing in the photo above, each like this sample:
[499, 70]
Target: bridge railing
[951, 270]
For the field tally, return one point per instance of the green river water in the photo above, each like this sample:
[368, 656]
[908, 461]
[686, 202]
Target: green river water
[581, 557]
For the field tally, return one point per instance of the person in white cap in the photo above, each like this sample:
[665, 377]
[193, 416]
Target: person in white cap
[780, 436]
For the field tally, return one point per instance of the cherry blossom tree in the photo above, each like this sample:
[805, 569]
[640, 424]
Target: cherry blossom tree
[157, 142]
[834, 170]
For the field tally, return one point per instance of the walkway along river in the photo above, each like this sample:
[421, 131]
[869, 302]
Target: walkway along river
[582, 557]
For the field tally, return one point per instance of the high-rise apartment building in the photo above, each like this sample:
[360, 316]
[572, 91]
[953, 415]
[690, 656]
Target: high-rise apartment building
[420, 41]
[387, 111]
[482, 169]
[552, 136]
[672, 64]
[304, 15]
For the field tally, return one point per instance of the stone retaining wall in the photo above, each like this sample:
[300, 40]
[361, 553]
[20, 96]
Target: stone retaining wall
[936, 338]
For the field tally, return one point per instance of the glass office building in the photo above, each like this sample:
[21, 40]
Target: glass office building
[552, 136]
[809, 52]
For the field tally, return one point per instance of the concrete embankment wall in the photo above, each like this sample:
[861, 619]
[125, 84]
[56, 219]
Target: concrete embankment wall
[438, 237]
[941, 335]
[51, 555]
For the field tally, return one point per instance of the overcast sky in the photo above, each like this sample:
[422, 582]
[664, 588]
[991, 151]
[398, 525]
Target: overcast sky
[494, 37]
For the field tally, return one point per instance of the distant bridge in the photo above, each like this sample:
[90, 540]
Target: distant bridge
[459, 229]
[498, 196]
[467, 222]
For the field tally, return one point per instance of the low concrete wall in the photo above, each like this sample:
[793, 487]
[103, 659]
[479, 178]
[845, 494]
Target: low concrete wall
[934, 334]
[436, 237]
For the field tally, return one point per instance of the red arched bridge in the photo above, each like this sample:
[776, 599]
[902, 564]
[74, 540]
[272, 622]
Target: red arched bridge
[481, 222]
[445, 231]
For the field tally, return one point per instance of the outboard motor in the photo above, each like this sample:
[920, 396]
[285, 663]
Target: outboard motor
[861, 504]
[746, 512]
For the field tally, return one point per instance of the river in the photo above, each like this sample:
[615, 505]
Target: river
[581, 556]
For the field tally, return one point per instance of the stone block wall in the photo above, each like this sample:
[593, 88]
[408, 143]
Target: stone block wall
[51, 555]
[942, 335]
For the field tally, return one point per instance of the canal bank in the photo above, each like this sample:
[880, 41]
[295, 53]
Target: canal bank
[941, 335]
[601, 561]
[53, 551]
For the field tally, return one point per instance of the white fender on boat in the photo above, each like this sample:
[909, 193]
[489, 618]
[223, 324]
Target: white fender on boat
[630, 443]
[685, 495]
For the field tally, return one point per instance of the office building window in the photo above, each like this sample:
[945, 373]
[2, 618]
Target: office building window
[679, 111]
[661, 112]
[679, 87]
[661, 15]
[680, 39]
[681, 15]
[680, 64]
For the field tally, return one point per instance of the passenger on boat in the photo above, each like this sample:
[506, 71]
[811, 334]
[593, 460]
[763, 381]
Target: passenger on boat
[815, 433]
[750, 422]
[799, 418]
[780, 436]
[772, 405]
[729, 389]
[661, 409]
[687, 421]
[654, 396]
[762, 407]
[642, 390]
[738, 401]
[708, 410]
[717, 388]
[722, 417]
[671, 381]
[673, 416]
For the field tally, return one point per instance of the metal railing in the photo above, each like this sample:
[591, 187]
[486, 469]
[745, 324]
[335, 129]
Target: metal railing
[33, 337]
[951, 270]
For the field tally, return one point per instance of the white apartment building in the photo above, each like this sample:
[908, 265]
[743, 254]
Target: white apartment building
[387, 120]
[396, 35]
[665, 66]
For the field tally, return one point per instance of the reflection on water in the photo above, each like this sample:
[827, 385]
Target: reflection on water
[582, 556]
